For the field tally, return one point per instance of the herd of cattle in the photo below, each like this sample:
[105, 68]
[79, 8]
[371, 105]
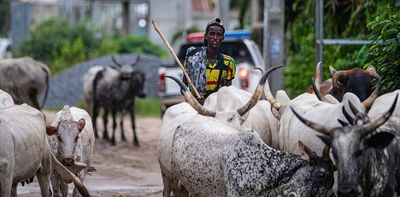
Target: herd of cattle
[60, 153]
[338, 138]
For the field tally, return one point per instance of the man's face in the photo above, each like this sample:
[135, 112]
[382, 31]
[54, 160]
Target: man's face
[214, 36]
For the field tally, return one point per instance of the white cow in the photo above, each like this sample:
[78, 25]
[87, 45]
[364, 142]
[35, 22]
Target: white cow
[88, 80]
[173, 118]
[71, 140]
[213, 159]
[24, 151]
[25, 80]
[231, 116]
[260, 117]
[5, 99]
[308, 106]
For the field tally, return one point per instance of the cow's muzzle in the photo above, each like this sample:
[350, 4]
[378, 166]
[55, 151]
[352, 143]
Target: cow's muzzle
[347, 191]
[68, 161]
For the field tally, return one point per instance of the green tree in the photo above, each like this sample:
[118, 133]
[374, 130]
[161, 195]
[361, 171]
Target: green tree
[140, 44]
[49, 38]
[61, 44]
[385, 49]
[342, 19]
[4, 17]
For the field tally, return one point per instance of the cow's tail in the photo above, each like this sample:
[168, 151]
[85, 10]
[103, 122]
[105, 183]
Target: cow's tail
[47, 71]
[68, 176]
[97, 77]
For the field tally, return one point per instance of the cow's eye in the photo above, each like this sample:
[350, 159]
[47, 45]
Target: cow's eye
[76, 139]
[59, 138]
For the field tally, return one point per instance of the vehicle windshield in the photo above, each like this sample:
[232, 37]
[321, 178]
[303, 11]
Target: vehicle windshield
[236, 49]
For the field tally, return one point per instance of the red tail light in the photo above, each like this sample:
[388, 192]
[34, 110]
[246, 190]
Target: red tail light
[244, 78]
[161, 82]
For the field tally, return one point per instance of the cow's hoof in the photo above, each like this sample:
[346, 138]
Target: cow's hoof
[113, 142]
[136, 143]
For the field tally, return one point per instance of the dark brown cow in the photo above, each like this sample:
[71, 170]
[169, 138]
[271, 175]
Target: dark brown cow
[356, 80]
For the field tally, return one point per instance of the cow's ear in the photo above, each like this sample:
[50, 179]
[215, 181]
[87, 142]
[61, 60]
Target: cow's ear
[379, 140]
[81, 124]
[50, 130]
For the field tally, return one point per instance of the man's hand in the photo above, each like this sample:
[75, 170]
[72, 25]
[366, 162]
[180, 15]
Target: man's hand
[201, 100]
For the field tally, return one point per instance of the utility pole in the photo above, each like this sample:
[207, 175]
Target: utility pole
[126, 19]
[223, 12]
[273, 40]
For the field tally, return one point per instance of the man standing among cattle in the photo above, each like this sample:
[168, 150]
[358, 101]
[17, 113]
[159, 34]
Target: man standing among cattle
[206, 66]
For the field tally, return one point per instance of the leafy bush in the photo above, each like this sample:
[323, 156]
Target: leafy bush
[385, 50]
[57, 37]
[140, 44]
[61, 44]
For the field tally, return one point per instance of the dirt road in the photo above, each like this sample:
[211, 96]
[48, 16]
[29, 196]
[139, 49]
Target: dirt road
[122, 170]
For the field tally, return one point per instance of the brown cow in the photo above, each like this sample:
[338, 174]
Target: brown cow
[356, 80]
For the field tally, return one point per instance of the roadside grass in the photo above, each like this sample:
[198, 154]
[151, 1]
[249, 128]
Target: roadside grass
[146, 107]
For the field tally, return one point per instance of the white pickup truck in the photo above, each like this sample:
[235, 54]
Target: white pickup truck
[244, 51]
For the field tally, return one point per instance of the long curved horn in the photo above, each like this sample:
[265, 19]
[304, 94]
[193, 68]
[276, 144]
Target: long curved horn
[191, 100]
[343, 123]
[353, 108]
[319, 128]
[336, 76]
[68, 176]
[318, 75]
[319, 95]
[325, 153]
[257, 93]
[370, 100]
[348, 117]
[260, 69]
[370, 127]
[372, 72]
[332, 70]
[115, 61]
[136, 61]
[268, 95]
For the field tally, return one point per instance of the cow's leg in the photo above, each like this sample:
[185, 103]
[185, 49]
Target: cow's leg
[14, 190]
[44, 182]
[113, 113]
[94, 114]
[184, 192]
[64, 188]
[105, 122]
[6, 185]
[5, 179]
[135, 139]
[55, 182]
[167, 185]
[121, 124]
